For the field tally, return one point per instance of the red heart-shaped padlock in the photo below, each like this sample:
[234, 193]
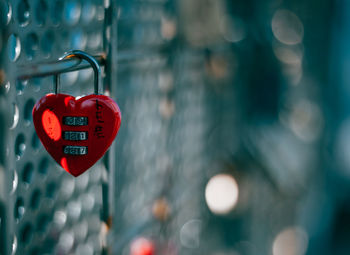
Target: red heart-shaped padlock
[76, 133]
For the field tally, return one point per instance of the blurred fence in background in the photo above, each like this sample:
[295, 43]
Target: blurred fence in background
[234, 137]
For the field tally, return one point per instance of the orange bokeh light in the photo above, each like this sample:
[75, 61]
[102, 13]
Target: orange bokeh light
[51, 125]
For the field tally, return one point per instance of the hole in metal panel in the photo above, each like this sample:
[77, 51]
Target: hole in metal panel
[72, 11]
[31, 45]
[5, 13]
[14, 245]
[81, 230]
[88, 201]
[43, 166]
[65, 242]
[95, 175]
[51, 190]
[78, 39]
[41, 12]
[74, 210]
[56, 12]
[13, 47]
[100, 13]
[23, 13]
[94, 223]
[36, 82]
[84, 249]
[60, 218]
[20, 146]
[7, 87]
[94, 241]
[47, 43]
[14, 181]
[35, 251]
[82, 181]
[68, 79]
[27, 175]
[43, 223]
[64, 41]
[20, 85]
[88, 12]
[35, 199]
[15, 113]
[26, 233]
[85, 75]
[28, 108]
[67, 188]
[19, 209]
[94, 40]
[35, 141]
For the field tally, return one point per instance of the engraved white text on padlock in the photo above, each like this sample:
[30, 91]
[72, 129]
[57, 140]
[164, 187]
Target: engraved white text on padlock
[75, 121]
[75, 150]
[75, 135]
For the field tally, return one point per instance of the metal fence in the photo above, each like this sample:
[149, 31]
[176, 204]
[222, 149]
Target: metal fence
[45, 210]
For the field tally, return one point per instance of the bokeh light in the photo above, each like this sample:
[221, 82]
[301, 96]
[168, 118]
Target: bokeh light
[290, 241]
[221, 193]
[233, 29]
[190, 233]
[287, 27]
[142, 246]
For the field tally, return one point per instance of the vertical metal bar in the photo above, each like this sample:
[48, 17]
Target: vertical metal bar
[6, 201]
[3, 218]
[56, 83]
[110, 69]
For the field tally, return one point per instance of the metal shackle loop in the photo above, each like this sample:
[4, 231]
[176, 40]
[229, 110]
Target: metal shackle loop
[94, 64]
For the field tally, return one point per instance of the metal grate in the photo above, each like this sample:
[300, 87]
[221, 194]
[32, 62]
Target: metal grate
[162, 92]
[49, 212]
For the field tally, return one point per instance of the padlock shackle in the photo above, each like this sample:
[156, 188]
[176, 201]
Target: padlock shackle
[94, 64]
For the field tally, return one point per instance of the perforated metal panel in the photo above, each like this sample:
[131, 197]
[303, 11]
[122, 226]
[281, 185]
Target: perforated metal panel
[48, 211]
[145, 91]
[160, 151]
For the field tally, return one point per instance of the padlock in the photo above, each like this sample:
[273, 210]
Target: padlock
[77, 132]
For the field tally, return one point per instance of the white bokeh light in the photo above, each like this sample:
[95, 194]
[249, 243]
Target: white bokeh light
[190, 233]
[221, 193]
[290, 241]
[287, 27]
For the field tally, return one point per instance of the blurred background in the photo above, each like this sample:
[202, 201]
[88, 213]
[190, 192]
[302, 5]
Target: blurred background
[235, 137]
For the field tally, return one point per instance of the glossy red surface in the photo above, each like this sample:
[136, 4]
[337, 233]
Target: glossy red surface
[104, 120]
[51, 125]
